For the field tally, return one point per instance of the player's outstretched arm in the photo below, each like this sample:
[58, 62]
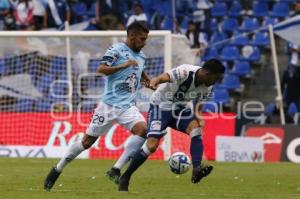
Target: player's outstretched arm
[163, 78]
[108, 70]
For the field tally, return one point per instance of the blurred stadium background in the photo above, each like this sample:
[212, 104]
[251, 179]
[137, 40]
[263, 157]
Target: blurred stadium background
[50, 49]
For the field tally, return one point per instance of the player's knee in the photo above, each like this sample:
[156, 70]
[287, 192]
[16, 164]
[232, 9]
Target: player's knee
[140, 129]
[88, 141]
[152, 144]
[194, 128]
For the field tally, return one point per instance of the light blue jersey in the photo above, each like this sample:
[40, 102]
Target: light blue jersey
[121, 87]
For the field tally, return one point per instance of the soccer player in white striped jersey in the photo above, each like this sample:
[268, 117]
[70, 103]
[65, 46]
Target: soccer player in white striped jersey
[124, 65]
[169, 107]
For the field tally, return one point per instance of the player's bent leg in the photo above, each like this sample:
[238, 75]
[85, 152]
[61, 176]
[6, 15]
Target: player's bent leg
[133, 144]
[196, 149]
[134, 121]
[74, 150]
[138, 159]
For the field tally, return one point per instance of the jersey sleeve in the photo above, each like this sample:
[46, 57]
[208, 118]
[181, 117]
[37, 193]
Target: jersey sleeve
[179, 73]
[111, 56]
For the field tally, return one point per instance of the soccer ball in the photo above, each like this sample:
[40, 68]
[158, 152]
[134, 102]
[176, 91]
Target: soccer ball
[179, 163]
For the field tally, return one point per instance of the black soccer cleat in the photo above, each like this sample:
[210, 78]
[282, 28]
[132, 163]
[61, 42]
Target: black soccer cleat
[51, 179]
[114, 174]
[201, 172]
[123, 183]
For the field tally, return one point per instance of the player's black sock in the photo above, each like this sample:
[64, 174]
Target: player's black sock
[138, 159]
[196, 150]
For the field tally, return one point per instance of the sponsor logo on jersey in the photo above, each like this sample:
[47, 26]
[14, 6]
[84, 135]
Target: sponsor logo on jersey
[155, 126]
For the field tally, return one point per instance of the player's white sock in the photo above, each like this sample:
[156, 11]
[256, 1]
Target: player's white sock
[134, 143]
[74, 150]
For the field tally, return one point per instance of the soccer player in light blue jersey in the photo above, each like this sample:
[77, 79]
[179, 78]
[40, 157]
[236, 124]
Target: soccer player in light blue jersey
[169, 107]
[123, 64]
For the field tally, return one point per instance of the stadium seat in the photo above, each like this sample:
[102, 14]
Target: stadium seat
[167, 23]
[2, 67]
[280, 9]
[24, 105]
[93, 65]
[43, 105]
[221, 96]
[230, 53]
[218, 39]
[92, 11]
[231, 82]
[260, 39]
[219, 9]
[210, 107]
[230, 24]
[184, 23]
[251, 54]
[241, 68]
[260, 9]
[213, 24]
[235, 9]
[294, 113]
[88, 106]
[249, 24]
[210, 53]
[239, 39]
[270, 108]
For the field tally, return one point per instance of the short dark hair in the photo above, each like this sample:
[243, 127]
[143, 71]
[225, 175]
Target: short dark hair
[137, 27]
[214, 66]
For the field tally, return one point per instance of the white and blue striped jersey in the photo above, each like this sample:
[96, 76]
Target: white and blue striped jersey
[180, 89]
[121, 87]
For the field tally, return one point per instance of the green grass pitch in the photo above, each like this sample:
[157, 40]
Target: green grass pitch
[23, 178]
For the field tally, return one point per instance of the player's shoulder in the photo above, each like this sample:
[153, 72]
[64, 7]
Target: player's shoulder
[142, 54]
[189, 67]
[118, 46]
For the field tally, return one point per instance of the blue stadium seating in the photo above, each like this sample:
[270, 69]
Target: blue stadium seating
[217, 39]
[92, 11]
[167, 23]
[88, 105]
[210, 53]
[280, 9]
[2, 67]
[260, 39]
[239, 39]
[294, 113]
[24, 105]
[230, 53]
[241, 68]
[254, 56]
[219, 9]
[235, 9]
[249, 24]
[270, 108]
[260, 9]
[210, 107]
[221, 96]
[93, 65]
[80, 10]
[231, 82]
[43, 105]
[230, 24]
[213, 24]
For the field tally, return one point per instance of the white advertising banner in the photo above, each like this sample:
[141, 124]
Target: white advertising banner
[13, 151]
[239, 149]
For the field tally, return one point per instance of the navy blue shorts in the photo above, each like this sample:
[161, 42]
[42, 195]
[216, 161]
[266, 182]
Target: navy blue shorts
[159, 120]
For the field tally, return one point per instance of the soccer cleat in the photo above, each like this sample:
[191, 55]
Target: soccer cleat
[51, 178]
[201, 172]
[123, 183]
[114, 174]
